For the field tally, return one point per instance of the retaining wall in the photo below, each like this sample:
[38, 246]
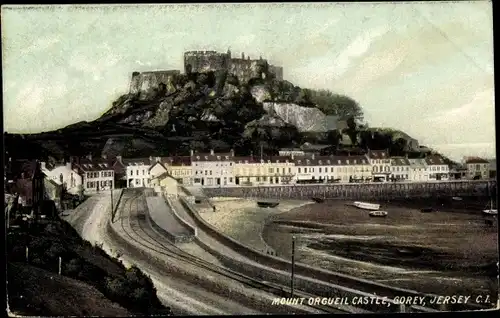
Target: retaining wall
[335, 281]
[171, 236]
[352, 191]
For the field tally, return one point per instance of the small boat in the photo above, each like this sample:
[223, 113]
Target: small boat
[380, 214]
[491, 211]
[456, 198]
[427, 210]
[264, 204]
[366, 206]
[318, 200]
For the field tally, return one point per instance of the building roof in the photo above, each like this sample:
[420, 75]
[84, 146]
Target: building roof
[378, 154]
[177, 160]
[264, 159]
[331, 161]
[473, 160]
[400, 161]
[156, 164]
[215, 157]
[137, 161]
[417, 162]
[434, 160]
[100, 166]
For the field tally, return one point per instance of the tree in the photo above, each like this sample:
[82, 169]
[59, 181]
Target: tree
[335, 104]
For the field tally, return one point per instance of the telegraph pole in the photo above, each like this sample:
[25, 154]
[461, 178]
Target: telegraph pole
[112, 210]
[293, 264]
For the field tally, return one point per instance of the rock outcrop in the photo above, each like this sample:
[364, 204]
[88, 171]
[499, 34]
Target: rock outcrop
[304, 118]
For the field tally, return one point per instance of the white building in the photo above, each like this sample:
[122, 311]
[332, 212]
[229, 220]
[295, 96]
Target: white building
[97, 175]
[213, 169]
[157, 169]
[477, 168]
[326, 169]
[381, 164]
[418, 170]
[137, 171]
[437, 168]
[400, 168]
[64, 174]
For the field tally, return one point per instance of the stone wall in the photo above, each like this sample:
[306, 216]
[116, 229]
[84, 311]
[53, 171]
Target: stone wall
[204, 61]
[145, 82]
[370, 191]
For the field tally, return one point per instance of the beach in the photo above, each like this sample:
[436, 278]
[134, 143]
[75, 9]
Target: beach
[243, 220]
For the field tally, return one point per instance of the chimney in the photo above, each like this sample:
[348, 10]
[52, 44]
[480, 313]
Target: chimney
[292, 155]
[211, 152]
[158, 159]
[89, 156]
[151, 159]
[192, 152]
[313, 156]
[68, 165]
[119, 159]
[242, 55]
[42, 165]
[104, 157]
[232, 152]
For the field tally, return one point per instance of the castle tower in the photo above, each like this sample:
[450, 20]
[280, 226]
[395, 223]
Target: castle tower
[228, 53]
[242, 55]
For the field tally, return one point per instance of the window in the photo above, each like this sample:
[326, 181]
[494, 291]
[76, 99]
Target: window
[264, 179]
[289, 170]
[143, 172]
[230, 179]
[298, 170]
[210, 172]
[136, 172]
[320, 170]
[88, 184]
[331, 169]
[206, 172]
[271, 170]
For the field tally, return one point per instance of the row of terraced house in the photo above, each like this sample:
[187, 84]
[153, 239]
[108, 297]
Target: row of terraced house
[225, 169]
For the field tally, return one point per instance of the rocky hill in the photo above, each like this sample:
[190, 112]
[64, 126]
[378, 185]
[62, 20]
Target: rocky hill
[213, 110]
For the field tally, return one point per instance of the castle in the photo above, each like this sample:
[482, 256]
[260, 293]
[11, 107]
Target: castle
[202, 62]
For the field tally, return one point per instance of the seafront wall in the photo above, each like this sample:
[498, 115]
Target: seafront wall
[479, 188]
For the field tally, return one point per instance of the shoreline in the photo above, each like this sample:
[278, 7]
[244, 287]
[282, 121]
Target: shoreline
[243, 220]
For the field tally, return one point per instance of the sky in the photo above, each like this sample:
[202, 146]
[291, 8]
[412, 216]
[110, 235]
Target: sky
[425, 68]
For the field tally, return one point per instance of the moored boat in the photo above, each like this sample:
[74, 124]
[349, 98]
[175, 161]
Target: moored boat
[265, 204]
[366, 206]
[318, 200]
[381, 214]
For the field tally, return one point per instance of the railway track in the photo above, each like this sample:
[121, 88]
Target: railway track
[140, 225]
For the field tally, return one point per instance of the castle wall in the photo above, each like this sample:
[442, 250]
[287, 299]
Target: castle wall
[146, 81]
[205, 61]
[244, 69]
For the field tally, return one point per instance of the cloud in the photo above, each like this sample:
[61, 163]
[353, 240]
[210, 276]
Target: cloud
[481, 102]
[359, 46]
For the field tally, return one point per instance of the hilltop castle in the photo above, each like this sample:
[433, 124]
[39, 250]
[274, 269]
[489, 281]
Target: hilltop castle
[202, 62]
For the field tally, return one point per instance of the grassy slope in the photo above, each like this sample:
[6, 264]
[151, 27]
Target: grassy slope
[79, 290]
[34, 291]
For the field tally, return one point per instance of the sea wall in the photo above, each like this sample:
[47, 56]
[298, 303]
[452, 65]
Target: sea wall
[478, 188]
